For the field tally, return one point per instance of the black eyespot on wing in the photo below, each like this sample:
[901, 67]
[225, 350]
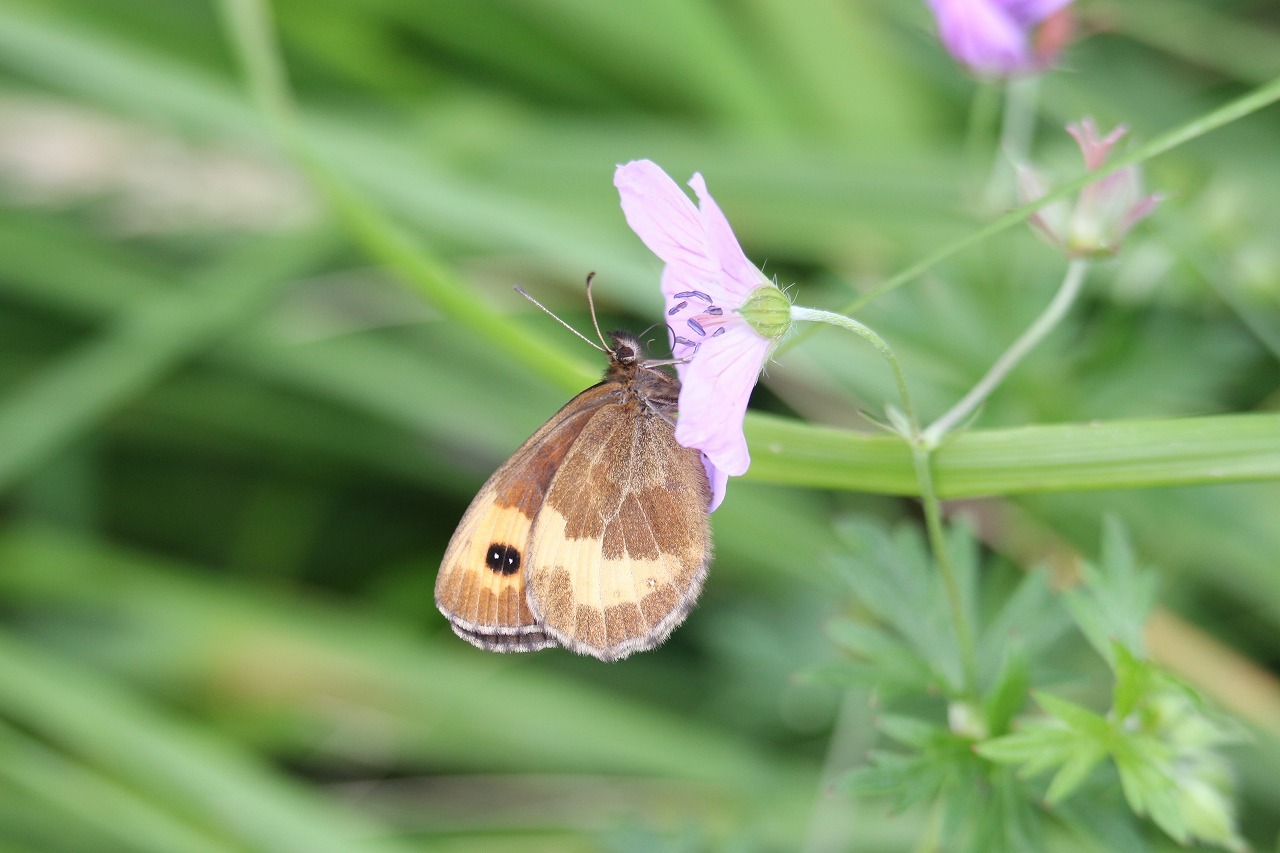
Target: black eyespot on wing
[503, 558]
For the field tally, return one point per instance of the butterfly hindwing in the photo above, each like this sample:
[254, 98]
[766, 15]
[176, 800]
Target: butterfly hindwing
[615, 567]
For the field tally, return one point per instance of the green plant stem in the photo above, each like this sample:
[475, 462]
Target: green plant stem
[1048, 319]
[979, 135]
[814, 315]
[1016, 131]
[922, 457]
[921, 454]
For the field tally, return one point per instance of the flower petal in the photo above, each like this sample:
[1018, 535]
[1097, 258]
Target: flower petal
[1028, 13]
[983, 35]
[717, 383]
[739, 276]
[719, 481]
[663, 216]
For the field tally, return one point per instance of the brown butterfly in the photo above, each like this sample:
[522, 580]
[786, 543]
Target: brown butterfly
[594, 534]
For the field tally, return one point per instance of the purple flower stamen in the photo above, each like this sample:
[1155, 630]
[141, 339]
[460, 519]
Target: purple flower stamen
[677, 309]
[718, 332]
[697, 294]
[684, 342]
[697, 327]
[715, 310]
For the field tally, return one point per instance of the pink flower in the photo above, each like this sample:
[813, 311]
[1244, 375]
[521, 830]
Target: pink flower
[1106, 209]
[723, 313]
[998, 38]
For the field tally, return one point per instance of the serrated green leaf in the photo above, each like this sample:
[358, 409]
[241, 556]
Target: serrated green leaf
[1037, 749]
[1030, 620]
[835, 673]
[1075, 717]
[1133, 681]
[1079, 764]
[893, 576]
[1010, 694]
[910, 731]
[1023, 824]
[1112, 604]
[906, 780]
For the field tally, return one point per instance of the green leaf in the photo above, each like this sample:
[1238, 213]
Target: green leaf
[1010, 694]
[1075, 717]
[1082, 760]
[1027, 623]
[1038, 748]
[909, 731]
[1047, 458]
[1112, 604]
[892, 575]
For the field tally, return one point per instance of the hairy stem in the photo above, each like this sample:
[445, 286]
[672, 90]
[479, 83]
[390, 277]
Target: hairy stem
[1048, 319]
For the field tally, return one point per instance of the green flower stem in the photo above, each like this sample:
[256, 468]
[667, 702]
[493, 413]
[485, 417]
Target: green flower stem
[814, 315]
[979, 133]
[921, 454]
[1016, 131]
[922, 457]
[1048, 319]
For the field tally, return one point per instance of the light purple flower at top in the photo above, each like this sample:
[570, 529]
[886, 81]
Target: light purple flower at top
[999, 38]
[1105, 210]
[721, 311]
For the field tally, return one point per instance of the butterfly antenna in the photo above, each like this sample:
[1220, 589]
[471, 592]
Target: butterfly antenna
[592, 305]
[520, 290]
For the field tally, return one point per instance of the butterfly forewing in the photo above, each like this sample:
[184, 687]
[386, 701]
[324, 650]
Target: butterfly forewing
[481, 585]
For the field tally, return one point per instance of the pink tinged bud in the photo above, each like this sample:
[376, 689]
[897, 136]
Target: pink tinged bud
[1105, 210]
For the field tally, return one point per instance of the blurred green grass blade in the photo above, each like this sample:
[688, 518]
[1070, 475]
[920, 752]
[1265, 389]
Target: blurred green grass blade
[67, 54]
[251, 31]
[333, 368]
[107, 808]
[1041, 458]
[1196, 32]
[66, 399]
[817, 52]
[47, 262]
[1058, 457]
[688, 51]
[174, 763]
[483, 710]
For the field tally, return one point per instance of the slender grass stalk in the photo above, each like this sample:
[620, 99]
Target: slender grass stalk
[252, 36]
[1245, 105]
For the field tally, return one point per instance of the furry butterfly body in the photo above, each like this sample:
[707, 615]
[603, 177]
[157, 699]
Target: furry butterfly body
[594, 534]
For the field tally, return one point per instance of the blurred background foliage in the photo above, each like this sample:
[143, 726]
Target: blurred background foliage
[234, 438]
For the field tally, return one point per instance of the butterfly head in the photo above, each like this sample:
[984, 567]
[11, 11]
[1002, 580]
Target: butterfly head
[626, 350]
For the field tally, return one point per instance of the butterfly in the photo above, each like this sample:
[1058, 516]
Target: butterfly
[594, 535]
